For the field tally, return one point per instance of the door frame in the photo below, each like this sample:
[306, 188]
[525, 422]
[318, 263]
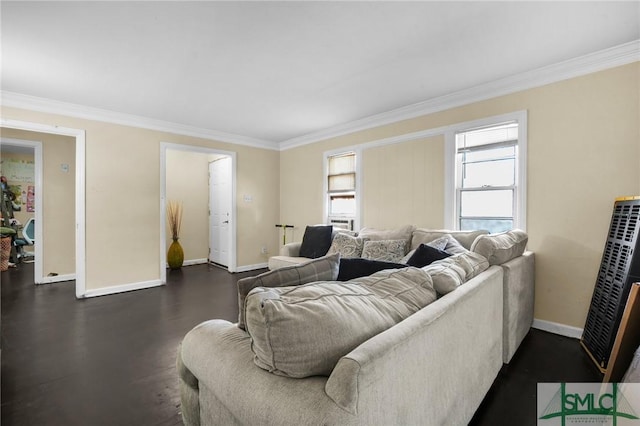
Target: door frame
[164, 146]
[80, 220]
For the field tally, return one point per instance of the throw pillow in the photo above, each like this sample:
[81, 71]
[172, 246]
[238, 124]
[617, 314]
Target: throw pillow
[355, 268]
[294, 334]
[321, 269]
[453, 246]
[426, 255]
[385, 250]
[502, 247]
[347, 245]
[316, 241]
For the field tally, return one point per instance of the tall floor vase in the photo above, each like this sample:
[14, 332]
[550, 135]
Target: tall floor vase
[175, 255]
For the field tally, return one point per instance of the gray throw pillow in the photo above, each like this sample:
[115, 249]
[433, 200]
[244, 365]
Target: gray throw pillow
[304, 331]
[322, 269]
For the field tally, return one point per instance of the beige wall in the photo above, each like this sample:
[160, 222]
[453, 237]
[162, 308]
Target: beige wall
[123, 198]
[187, 182]
[408, 180]
[584, 147]
[58, 199]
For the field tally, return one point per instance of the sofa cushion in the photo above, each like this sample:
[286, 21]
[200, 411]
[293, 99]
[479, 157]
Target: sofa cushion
[449, 273]
[454, 246]
[446, 277]
[347, 245]
[425, 255]
[385, 250]
[424, 236]
[321, 269]
[502, 247]
[316, 241]
[355, 268]
[277, 262]
[403, 233]
[303, 331]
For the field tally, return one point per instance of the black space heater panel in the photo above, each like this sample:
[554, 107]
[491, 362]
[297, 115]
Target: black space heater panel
[620, 267]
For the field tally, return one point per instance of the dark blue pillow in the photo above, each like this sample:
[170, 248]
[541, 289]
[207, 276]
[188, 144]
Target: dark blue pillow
[316, 241]
[426, 255]
[357, 267]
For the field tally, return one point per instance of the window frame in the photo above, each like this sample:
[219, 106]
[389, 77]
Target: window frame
[453, 172]
[357, 151]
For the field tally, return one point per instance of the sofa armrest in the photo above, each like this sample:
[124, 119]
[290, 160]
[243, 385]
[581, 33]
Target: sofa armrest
[448, 354]
[519, 295]
[290, 249]
[233, 390]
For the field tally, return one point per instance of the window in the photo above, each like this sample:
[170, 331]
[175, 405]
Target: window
[489, 176]
[341, 187]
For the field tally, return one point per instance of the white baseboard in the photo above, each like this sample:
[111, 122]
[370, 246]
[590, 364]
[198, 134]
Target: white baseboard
[190, 262]
[195, 262]
[57, 278]
[248, 268]
[122, 288]
[557, 328]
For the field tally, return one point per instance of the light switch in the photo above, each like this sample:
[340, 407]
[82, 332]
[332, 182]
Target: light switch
[64, 168]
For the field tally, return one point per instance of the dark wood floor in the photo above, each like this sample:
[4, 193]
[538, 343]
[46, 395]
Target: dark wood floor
[110, 360]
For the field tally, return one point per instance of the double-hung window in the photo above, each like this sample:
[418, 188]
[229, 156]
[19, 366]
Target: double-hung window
[341, 188]
[489, 187]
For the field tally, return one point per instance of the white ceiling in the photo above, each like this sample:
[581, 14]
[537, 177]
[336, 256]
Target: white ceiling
[274, 71]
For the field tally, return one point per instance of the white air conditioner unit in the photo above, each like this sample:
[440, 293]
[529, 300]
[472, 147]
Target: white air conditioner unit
[341, 222]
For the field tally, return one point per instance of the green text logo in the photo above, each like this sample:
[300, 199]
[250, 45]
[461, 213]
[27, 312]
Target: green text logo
[584, 404]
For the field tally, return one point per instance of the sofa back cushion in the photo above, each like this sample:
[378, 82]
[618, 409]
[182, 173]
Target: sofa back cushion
[501, 248]
[449, 273]
[424, 236]
[403, 233]
[322, 269]
[303, 331]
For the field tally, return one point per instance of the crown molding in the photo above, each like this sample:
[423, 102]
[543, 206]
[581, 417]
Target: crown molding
[33, 103]
[604, 59]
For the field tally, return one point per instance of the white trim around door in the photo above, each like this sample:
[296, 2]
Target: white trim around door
[164, 146]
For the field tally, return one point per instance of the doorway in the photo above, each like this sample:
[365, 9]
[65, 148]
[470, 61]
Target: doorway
[22, 166]
[208, 232]
[78, 196]
[219, 210]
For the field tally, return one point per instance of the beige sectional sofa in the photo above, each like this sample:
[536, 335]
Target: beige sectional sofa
[433, 367]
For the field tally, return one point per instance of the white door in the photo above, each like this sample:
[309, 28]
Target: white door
[219, 210]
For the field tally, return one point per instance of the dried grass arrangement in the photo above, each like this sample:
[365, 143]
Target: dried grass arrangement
[174, 217]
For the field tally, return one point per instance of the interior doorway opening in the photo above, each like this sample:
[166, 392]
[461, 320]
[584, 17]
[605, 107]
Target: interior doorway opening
[74, 168]
[203, 181]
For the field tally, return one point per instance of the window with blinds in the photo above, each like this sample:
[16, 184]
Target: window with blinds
[341, 185]
[487, 178]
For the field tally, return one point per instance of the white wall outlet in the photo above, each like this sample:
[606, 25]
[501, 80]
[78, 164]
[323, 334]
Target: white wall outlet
[264, 250]
[248, 198]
